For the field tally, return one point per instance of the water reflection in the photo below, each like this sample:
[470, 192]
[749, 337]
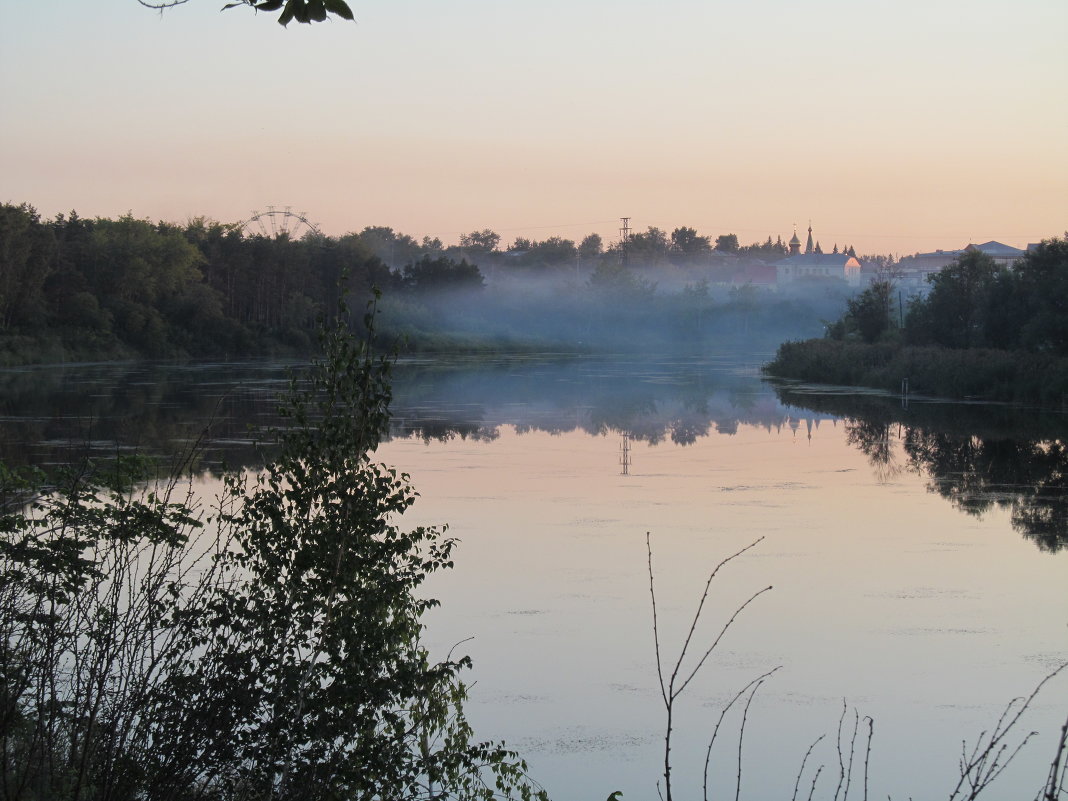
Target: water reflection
[54, 414]
[873, 439]
[60, 414]
[975, 456]
[1028, 477]
[650, 401]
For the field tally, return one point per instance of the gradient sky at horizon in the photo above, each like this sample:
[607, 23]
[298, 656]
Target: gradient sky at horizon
[894, 126]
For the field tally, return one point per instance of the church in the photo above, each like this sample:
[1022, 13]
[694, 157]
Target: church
[815, 264]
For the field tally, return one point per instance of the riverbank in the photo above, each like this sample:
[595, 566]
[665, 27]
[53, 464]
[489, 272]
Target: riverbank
[982, 374]
[20, 350]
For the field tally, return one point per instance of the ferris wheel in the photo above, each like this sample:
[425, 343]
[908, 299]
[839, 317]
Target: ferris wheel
[275, 223]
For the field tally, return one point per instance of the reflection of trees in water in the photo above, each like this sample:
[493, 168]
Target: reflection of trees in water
[1030, 478]
[63, 415]
[976, 456]
[654, 401]
[57, 415]
[1044, 518]
[872, 438]
[632, 412]
[445, 431]
[687, 430]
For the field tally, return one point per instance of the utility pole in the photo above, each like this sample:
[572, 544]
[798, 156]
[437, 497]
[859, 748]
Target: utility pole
[624, 238]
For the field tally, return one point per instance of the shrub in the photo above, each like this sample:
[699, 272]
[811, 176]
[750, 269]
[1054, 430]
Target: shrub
[268, 647]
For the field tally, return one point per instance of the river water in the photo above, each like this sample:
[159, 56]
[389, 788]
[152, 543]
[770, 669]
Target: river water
[915, 553]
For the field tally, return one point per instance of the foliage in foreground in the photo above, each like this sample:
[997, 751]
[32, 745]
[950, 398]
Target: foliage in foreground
[305, 11]
[267, 647]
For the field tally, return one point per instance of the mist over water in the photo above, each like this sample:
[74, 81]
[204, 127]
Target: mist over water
[621, 309]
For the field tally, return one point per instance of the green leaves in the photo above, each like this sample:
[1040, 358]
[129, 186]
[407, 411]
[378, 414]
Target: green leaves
[304, 11]
[275, 653]
[307, 11]
[340, 8]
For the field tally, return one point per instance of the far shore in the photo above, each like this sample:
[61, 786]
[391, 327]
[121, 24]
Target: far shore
[973, 374]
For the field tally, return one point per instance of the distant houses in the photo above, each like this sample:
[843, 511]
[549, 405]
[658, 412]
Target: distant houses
[914, 270]
[814, 264]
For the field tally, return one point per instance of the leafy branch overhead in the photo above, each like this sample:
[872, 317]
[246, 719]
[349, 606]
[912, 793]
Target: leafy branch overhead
[305, 11]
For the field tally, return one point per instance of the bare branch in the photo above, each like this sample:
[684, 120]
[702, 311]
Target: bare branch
[741, 736]
[815, 779]
[723, 714]
[841, 761]
[161, 5]
[801, 772]
[988, 761]
[656, 632]
[668, 691]
[867, 755]
[700, 607]
[719, 637]
[852, 749]
[1051, 791]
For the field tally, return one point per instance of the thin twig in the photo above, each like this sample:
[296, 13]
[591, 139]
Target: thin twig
[815, 779]
[668, 691]
[741, 736]
[656, 631]
[867, 754]
[841, 761]
[723, 714]
[161, 4]
[985, 763]
[719, 637]
[701, 604]
[1051, 790]
[797, 783]
[852, 748]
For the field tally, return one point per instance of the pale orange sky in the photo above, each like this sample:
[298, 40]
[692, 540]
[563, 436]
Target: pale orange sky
[893, 126]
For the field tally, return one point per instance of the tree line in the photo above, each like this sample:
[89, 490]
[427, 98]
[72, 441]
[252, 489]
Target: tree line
[118, 288]
[683, 246]
[972, 303]
[78, 288]
[981, 331]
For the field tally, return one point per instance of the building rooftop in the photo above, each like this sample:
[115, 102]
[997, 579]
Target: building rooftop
[991, 248]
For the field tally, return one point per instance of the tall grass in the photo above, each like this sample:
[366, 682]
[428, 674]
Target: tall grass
[995, 375]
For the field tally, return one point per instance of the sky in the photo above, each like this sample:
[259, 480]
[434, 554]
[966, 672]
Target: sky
[895, 127]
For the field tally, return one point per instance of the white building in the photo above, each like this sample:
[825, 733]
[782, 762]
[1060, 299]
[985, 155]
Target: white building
[814, 264]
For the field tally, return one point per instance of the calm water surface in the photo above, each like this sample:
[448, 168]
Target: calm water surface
[916, 556]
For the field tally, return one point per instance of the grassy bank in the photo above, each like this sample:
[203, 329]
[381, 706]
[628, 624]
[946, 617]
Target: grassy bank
[994, 375]
[20, 350]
